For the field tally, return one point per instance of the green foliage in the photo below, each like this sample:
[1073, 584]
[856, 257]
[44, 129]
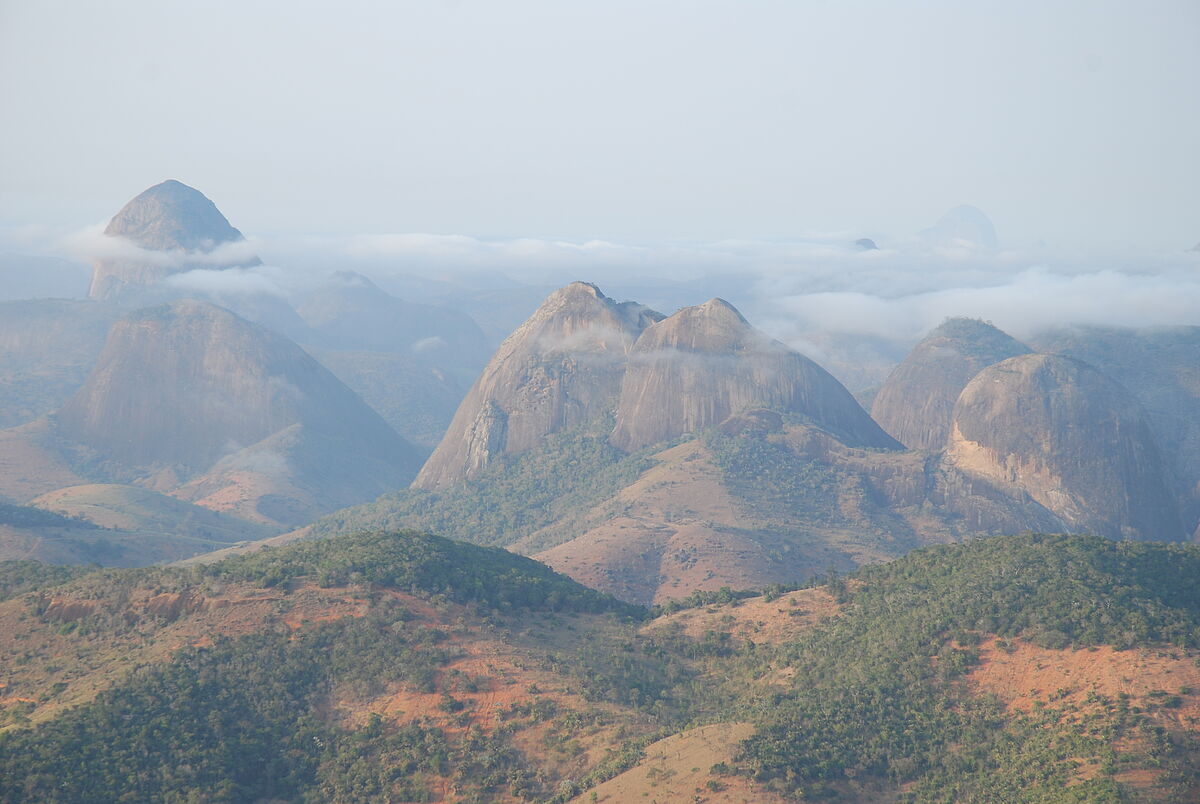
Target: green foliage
[19, 577]
[238, 721]
[25, 516]
[515, 496]
[425, 565]
[772, 481]
[872, 693]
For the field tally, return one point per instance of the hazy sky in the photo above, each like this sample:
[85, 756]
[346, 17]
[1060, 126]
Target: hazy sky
[1076, 122]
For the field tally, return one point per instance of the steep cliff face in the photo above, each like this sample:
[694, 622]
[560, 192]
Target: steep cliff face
[182, 386]
[170, 222]
[1070, 438]
[1160, 366]
[704, 363]
[562, 368]
[917, 401]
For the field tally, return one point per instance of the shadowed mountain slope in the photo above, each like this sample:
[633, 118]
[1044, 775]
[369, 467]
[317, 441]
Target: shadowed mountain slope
[1071, 438]
[1161, 367]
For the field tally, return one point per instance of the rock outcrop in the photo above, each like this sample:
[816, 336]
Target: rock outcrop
[1160, 366]
[695, 369]
[185, 387]
[1070, 438]
[560, 369]
[171, 228]
[916, 403]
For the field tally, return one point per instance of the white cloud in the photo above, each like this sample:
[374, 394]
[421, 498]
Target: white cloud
[90, 243]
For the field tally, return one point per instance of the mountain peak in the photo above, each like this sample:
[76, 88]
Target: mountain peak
[916, 402]
[168, 217]
[561, 369]
[963, 225]
[705, 363]
[172, 215]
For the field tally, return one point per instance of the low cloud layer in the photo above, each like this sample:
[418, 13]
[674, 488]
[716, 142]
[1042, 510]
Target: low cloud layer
[817, 293]
[90, 243]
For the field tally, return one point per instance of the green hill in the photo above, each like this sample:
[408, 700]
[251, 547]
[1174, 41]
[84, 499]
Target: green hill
[407, 667]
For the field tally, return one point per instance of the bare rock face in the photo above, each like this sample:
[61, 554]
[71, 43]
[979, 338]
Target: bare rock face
[917, 401]
[169, 221]
[695, 369]
[1160, 366]
[1070, 438]
[560, 369]
[181, 387]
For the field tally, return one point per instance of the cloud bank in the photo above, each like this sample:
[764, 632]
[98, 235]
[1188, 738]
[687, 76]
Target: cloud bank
[813, 293]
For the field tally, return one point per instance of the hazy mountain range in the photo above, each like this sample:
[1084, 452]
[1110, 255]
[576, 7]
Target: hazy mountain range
[601, 457]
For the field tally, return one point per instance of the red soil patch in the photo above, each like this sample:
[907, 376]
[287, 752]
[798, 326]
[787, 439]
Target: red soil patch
[757, 619]
[1030, 674]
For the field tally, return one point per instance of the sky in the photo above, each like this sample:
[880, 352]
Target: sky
[1072, 123]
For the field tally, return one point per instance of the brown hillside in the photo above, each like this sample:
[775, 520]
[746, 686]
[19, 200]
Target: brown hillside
[688, 524]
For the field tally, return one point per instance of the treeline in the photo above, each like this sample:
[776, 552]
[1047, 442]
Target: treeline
[18, 577]
[26, 516]
[410, 561]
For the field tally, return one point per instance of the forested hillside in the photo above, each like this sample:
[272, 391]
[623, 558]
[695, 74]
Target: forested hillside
[401, 666]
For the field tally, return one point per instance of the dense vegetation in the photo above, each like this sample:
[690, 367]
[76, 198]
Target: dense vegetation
[248, 719]
[513, 497]
[424, 565]
[18, 577]
[873, 693]
[25, 516]
[875, 700]
[235, 722]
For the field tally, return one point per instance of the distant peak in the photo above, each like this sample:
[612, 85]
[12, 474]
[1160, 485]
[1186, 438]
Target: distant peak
[964, 224]
[715, 314]
[960, 326]
[172, 215]
[578, 288]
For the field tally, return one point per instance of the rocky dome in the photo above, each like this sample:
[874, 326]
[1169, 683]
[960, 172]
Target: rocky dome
[1072, 439]
[917, 400]
[705, 363]
[184, 384]
[168, 217]
[562, 368]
